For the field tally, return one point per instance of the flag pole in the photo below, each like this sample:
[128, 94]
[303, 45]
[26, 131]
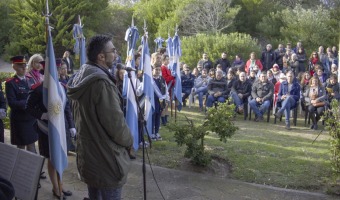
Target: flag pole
[176, 101]
[47, 32]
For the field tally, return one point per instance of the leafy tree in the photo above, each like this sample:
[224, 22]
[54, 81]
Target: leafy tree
[5, 23]
[214, 45]
[29, 24]
[311, 26]
[207, 16]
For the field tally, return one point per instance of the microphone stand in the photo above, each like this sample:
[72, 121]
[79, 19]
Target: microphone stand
[140, 131]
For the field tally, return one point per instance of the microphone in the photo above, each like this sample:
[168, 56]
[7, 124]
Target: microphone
[129, 69]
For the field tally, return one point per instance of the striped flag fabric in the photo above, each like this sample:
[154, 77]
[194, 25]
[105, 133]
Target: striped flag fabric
[79, 46]
[131, 115]
[54, 99]
[159, 43]
[176, 70]
[148, 84]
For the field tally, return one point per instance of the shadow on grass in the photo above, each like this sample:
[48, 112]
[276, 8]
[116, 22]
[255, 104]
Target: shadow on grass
[263, 153]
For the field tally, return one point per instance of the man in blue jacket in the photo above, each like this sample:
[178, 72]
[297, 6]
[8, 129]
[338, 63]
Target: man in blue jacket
[289, 95]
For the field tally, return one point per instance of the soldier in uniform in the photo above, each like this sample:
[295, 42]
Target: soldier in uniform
[23, 133]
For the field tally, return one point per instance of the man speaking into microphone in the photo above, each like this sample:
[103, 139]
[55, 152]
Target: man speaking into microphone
[103, 161]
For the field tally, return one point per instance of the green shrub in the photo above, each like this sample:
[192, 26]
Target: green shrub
[333, 127]
[3, 77]
[214, 45]
[219, 120]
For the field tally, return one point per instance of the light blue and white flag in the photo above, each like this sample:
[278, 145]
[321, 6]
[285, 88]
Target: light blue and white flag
[54, 99]
[148, 84]
[177, 52]
[79, 46]
[159, 43]
[131, 116]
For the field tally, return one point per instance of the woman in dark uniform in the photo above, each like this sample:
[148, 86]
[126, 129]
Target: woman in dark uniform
[22, 132]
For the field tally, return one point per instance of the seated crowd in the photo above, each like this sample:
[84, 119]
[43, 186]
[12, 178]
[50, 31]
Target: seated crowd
[283, 78]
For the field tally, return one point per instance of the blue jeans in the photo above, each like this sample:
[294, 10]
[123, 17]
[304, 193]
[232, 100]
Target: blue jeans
[211, 99]
[187, 92]
[263, 107]
[104, 193]
[201, 91]
[238, 102]
[286, 105]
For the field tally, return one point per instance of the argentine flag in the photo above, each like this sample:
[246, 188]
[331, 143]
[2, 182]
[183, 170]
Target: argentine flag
[148, 85]
[176, 70]
[54, 99]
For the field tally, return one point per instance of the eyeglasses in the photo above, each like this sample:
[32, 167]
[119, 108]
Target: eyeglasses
[314, 54]
[112, 51]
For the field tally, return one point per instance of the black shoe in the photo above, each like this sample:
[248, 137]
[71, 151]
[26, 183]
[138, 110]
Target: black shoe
[67, 193]
[42, 175]
[56, 195]
[312, 126]
[315, 127]
[259, 119]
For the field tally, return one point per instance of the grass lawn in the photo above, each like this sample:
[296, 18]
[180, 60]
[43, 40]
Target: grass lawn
[259, 152]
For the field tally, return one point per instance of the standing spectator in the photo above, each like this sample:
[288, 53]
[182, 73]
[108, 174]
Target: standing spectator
[301, 57]
[280, 52]
[34, 67]
[22, 123]
[224, 62]
[217, 89]
[335, 52]
[102, 159]
[322, 56]
[330, 60]
[315, 99]
[62, 71]
[205, 62]
[294, 64]
[170, 82]
[313, 61]
[250, 65]
[238, 63]
[201, 87]
[240, 91]
[289, 95]
[219, 67]
[262, 93]
[298, 46]
[268, 58]
[161, 99]
[69, 62]
[187, 83]
[3, 114]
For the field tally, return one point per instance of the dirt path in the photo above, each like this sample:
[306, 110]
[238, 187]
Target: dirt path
[176, 184]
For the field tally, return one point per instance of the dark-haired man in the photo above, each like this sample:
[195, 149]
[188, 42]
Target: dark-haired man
[103, 161]
[262, 93]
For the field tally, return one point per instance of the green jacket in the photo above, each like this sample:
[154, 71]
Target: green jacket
[103, 134]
